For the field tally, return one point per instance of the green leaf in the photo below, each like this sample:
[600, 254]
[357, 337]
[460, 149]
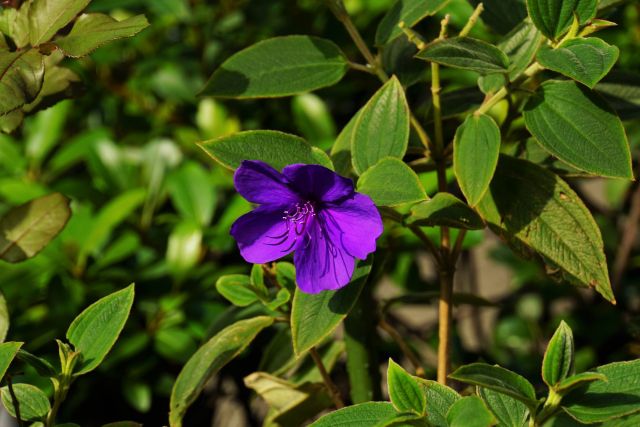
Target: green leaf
[8, 351]
[405, 392]
[391, 182]
[470, 411]
[521, 46]
[93, 30]
[476, 148]
[46, 17]
[444, 209]
[97, 328]
[553, 18]
[410, 12]
[289, 404]
[282, 297]
[439, 399]
[315, 316]
[557, 364]
[508, 411]
[578, 380]
[208, 360]
[26, 229]
[21, 78]
[533, 208]
[275, 148]
[184, 248]
[33, 403]
[237, 289]
[498, 379]
[280, 66]
[191, 193]
[601, 401]
[109, 217]
[15, 24]
[584, 60]
[45, 131]
[312, 117]
[42, 366]
[466, 53]
[4, 318]
[382, 127]
[370, 414]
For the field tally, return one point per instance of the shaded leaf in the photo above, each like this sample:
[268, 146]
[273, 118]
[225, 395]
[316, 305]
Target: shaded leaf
[289, 404]
[445, 209]
[533, 208]
[93, 30]
[553, 18]
[408, 11]
[578, 380]
[275, 148]
[498, 379]
[280, 66]
[601, 401]
[315, 316]
[46, 17]
[21, 78]
[391, 182]
[208, 360]
[466, 53]
[26, 229]
[585, 60]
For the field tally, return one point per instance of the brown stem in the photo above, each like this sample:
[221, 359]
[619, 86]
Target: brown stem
[404, 347]
[14, 400]
[334, 393]
[374, 65]
[629, 234]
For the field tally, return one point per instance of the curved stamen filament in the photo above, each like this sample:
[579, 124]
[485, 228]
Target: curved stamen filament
[296, 221]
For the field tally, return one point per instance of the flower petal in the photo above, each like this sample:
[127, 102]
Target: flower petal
[318, 183]
[258, 182]
[321, 264]
[263, 235]
[355, 223]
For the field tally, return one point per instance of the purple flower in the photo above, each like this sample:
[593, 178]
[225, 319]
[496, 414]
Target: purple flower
[308, 209]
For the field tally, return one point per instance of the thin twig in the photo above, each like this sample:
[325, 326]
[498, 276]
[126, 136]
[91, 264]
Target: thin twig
[360, 67]
[457, 247]
[472, 20]
[374, 65]
[404, 347]
[14, 401]
[334, 393]
[427, 241]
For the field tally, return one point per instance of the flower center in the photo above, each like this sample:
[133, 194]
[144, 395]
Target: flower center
[296, 221]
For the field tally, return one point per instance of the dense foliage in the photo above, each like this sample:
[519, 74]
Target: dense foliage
[122, 123]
